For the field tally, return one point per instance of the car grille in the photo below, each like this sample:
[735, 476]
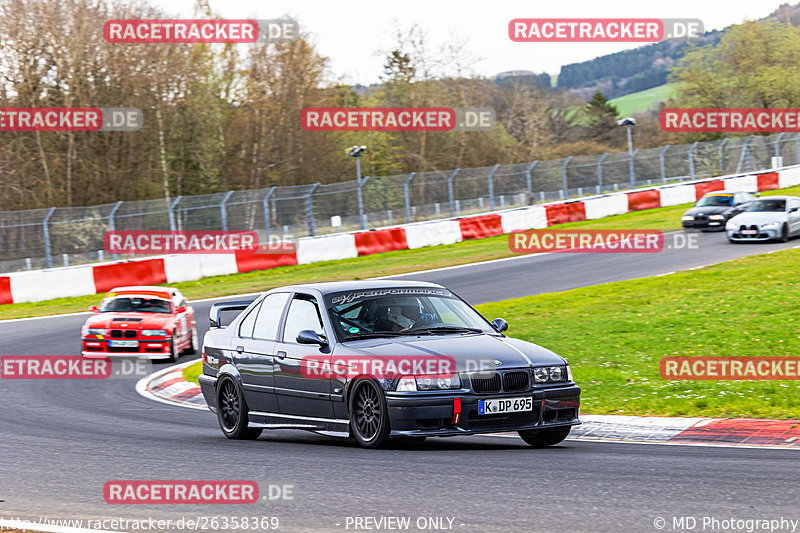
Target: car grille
[486, 382]
[120, 333]
[515, 381]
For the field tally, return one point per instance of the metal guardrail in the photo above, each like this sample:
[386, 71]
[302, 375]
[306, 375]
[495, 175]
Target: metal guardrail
[43, 238]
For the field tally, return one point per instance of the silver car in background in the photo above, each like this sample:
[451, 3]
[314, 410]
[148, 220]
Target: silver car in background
[766, 219]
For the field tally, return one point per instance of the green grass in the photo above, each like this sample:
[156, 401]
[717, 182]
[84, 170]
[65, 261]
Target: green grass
[643, 100]
[389, 263]
[615, 334]
[191, 372]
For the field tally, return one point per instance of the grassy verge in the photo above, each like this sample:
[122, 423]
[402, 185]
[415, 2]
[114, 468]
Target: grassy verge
[614, 336]
[643, 100]
[191, 372]
[389, 263]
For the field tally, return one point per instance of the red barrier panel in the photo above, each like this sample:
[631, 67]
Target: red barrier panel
[481, 227]
[768, 181]
[5, 291]
[145, 272]
[381, 240]
[248, 261]
[563, 213]
[643, 200]
[701, 189]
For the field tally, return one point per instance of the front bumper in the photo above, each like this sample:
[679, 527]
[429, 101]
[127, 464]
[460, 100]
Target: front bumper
[435, 416]
[145, 349]
[704, 225]
[762, 235]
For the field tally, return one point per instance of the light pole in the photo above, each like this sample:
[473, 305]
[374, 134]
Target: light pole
[628, 122]
[357, 152]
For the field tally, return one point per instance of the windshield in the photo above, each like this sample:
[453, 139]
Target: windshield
[767, 205]
[715, 200]
[135, 304]
[390, 312]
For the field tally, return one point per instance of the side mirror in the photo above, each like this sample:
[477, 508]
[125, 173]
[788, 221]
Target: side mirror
[309, 336]
[181, 309]
[499, 325]
[793, 209]
[94, 309]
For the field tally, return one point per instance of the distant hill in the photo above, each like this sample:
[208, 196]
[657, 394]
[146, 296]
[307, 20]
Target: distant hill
[524, 77]
[645, 67]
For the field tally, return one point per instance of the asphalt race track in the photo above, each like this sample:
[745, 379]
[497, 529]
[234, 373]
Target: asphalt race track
[60, 441]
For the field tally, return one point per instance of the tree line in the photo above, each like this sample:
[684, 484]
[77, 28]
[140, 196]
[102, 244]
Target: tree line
[227, 117]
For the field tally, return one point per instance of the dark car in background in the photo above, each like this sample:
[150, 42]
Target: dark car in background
[713, 210]
[377, 360]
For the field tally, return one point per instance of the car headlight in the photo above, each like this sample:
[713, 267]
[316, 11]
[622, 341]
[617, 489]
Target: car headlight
[687, 217]
[406, 385]
[731, 225]
[438, 382]
[716, 217]
[550, 374]
[96, 331]
[770, 225]
[154, 333]
[569, 373]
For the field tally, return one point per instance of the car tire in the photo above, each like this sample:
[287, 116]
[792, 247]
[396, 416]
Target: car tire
[232, 411]
[369, 416]
[784, 233]
[173, 347]
[193, 343]
[542, 438]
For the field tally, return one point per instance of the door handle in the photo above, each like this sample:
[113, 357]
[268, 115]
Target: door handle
[281, 355]
[240, 349]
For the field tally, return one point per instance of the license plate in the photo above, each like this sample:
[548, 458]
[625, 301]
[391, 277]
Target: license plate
[749, 232]
[505, 405]
[123, 344]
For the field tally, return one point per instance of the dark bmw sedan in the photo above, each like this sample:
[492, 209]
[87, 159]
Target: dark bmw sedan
[380, 360]
[713, 210]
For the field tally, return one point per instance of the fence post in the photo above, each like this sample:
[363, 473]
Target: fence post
[112, 226]
[223, 213]
[661, 162]
[408, 198]
[171, 208]
[722, 155]
[564, 177]
[743, 155]
[691, 159]
[450, 194]
[529, 180]
[267, 221]
[631, 170]
[310, 209]
[600, 172]
[45, 222]
[361, 217]
[491, 186]
[777, 141]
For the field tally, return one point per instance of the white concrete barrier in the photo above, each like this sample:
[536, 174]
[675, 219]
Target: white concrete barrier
[606, 206]
[533, 217]
[680, 194]
[742, 184]
[327, 248]
[39, 285]
[433, 233]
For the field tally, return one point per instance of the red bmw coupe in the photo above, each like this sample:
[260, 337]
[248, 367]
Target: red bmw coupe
[150, 322]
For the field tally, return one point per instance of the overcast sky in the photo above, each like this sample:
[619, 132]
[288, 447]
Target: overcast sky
[351, 33]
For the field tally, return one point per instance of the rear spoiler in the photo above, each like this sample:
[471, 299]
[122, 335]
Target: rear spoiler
[217, 309]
